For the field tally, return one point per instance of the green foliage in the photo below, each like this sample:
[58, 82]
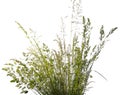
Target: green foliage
[62, 71]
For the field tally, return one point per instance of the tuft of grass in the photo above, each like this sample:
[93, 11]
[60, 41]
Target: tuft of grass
[62, 71]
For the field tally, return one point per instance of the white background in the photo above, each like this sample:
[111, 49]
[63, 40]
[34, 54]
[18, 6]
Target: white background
[43, 16]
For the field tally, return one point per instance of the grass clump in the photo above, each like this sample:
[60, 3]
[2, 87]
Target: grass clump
[62, 71]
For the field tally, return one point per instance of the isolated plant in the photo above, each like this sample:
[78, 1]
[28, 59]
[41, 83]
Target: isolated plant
[62, 71]
[57, 72]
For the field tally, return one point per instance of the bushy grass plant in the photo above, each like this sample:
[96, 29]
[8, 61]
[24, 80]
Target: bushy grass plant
[62, 71]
